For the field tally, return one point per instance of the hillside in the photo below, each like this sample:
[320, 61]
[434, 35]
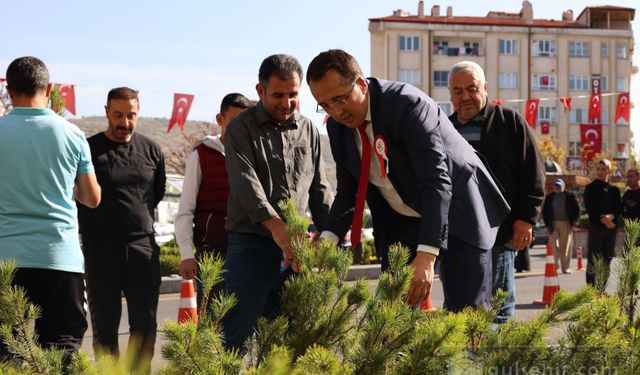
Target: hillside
[175, 144]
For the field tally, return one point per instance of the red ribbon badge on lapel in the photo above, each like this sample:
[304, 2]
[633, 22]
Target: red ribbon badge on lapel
[380, 148]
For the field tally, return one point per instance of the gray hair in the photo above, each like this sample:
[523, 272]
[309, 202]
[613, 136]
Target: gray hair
[467, 67]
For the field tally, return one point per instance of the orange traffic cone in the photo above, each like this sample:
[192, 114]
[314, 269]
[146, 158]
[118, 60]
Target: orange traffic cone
[188, 306]
[579, 256]
[427, 305]
[551, 285]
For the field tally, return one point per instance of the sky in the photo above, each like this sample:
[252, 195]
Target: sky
[210, 48]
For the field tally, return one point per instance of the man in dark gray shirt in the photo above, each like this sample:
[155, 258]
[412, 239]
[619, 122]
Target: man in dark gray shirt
[272, 154]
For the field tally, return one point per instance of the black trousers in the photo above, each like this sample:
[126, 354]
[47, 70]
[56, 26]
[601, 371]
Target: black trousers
[114, 266]
[465, 271]
[60, 295]
[601, 241]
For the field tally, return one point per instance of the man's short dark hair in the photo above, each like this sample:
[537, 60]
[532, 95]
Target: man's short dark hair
[122, 93]
[634, 171]
[334, 59]
[27, 76]
[282, 66]
[235, 100]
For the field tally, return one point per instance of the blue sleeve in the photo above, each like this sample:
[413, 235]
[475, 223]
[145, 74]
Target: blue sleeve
[85, 165]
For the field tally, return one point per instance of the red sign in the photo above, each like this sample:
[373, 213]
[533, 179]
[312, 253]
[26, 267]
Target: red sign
[181, 106]
[594, 109]
[532, 112]
[623, 107]
[544, 127]
[591, 137]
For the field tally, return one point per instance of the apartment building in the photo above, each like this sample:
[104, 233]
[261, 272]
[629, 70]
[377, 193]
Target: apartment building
[524, 58]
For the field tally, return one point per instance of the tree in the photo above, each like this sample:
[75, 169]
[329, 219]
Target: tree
[552, 151]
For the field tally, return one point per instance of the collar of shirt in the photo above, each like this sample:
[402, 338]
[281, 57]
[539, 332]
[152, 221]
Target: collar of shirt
[31, 111]
[263, 118]
[478, 120]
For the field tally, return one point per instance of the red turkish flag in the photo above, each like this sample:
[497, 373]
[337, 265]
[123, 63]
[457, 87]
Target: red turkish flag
[544, 127]
[68, 93]
[623, 107]
[181, 107]
[566, 101]
[591, 137]
[594, 109]
[532, 112]
[497, 102]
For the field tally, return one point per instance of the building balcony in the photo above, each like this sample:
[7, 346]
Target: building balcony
[458, 51]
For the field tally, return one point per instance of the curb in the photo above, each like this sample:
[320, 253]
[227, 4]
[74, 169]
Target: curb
[172, 284]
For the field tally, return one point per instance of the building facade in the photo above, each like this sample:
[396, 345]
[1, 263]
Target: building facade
[523, 58]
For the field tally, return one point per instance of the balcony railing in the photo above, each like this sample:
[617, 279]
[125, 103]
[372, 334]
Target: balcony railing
[458, 51]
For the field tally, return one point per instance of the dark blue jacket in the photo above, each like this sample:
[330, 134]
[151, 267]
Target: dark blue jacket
[434, 170]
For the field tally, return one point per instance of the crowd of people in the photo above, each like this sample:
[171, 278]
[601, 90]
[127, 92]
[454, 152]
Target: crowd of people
[465, 189]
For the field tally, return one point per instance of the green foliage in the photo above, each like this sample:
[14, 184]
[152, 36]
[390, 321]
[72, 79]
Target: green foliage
[331, 327]
[169, 258]
[366, 253]
[56, 101]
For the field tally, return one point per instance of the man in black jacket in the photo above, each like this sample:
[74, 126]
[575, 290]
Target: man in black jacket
[561, 213]
[603, 204]
[508, 145]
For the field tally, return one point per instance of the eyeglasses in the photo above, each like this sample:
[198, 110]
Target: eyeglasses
[338, 101]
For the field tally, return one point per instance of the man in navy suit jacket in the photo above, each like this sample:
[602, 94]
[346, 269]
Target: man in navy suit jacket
[427, 190]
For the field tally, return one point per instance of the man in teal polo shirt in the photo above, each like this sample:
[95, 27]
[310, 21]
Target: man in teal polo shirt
[44, 164]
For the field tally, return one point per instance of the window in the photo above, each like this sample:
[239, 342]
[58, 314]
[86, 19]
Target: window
[508, 47]
[544, 82]
[547, 113]
[575, 148]
[579, 49]
[604, 49]
[578, 82]
[544, 48]
[604, 116]
[621, 51]
[604, 83]
[578, 116]
[508, 80]
[446, 108]
[621, 84]
[440, 78]
[409, 43]
[410, 76]
[440, 47]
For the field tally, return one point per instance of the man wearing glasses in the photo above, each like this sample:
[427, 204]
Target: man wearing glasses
[272, 153]
[423, 182]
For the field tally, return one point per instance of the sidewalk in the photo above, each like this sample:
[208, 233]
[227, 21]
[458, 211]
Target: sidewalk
[171, 284]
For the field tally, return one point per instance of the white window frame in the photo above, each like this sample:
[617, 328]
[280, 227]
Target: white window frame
[508, 80]
[438, 81]
[548, 113]
[578, 82]
[409, 43]
[622, 84]
[410, 76]
[604, 83]
[604, 50]
[578, 116]
[574, 149]
[544, 48]
[578, 49]
[604, 116]
[622, 50]
[508, 47]
[446, 107]
[551, 86]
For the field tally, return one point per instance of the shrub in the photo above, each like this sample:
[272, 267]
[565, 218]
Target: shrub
[169, 258]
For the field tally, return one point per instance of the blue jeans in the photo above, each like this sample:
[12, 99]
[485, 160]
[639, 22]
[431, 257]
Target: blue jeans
[504, 278]
[254, 276]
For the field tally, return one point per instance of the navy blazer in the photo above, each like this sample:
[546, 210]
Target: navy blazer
[433, 169]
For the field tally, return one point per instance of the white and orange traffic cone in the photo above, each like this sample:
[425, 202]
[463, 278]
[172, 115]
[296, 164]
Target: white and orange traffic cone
[551, 285]
[579, 256]
[188, 306]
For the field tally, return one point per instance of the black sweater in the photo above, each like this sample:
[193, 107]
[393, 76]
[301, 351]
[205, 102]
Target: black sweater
[132, 178]
[601, 198]
[510, 150]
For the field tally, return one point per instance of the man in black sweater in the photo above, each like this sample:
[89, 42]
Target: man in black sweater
[602, 201]
[118, 242]
[507, 143]
[631, 197]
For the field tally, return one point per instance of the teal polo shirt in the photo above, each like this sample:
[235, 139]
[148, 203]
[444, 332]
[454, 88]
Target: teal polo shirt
[41, 154]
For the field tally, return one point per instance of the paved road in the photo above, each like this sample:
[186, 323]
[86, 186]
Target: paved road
[529, 286]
